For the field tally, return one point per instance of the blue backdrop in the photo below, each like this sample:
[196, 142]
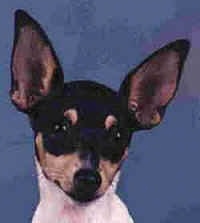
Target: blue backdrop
[101, 40]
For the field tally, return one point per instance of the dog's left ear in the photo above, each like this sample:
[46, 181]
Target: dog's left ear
[35, 69]
[147, 90]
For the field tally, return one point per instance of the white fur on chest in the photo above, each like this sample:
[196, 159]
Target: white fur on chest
[56, 207]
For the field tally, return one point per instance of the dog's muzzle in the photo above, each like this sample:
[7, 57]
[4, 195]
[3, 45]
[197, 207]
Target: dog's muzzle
[86, 183]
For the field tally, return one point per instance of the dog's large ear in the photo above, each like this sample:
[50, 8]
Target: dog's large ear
[147, 90]
[35, 69]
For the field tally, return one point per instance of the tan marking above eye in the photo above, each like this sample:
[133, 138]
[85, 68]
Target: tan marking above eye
[72, 115]
[110, 121]
[132, 105]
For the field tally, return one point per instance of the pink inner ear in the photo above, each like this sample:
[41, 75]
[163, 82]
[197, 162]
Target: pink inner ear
[33, 68]
[153, 86]
[154, 83]
[49, 67]
[33, 57]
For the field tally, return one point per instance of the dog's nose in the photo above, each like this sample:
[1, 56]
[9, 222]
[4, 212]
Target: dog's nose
[86, 183]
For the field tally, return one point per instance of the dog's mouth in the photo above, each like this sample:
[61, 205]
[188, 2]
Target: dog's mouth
[83, 197]
[85, 186]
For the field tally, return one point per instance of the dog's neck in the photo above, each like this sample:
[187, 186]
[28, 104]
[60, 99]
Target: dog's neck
[56, 207]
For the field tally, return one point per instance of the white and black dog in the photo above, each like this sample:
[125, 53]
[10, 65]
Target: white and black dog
[83, 129]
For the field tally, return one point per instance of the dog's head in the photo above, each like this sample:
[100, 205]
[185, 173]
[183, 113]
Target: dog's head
[82, 128]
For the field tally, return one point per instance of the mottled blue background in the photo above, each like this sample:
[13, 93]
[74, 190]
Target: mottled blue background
[101, 40]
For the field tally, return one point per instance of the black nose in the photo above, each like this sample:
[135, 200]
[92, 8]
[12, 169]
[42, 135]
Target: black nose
[86, 183]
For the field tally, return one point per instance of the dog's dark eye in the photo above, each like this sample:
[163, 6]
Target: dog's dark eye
[114, 132]
[62, 126]
[56, 127]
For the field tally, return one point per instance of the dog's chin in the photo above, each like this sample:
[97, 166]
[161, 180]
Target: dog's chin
[80, 197]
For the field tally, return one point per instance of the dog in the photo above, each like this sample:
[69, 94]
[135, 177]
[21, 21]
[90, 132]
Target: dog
[82, 129]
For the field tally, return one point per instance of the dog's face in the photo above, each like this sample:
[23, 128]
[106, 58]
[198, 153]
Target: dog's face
[82, 128]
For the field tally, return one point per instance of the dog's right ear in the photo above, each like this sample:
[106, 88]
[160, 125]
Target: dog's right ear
[148, 89]
[35, 69]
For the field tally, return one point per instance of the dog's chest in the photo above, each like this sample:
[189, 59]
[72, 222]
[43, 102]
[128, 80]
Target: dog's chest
[100, 212]
[68, 214]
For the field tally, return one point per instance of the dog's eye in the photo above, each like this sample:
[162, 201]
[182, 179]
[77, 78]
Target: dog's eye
[114, 132]
[57, 127]
[64, 126]
[118, 135]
